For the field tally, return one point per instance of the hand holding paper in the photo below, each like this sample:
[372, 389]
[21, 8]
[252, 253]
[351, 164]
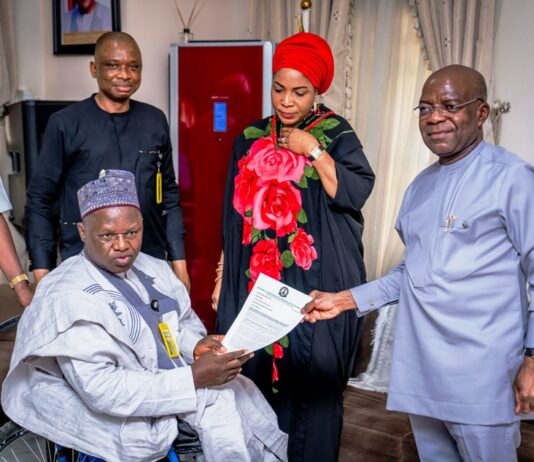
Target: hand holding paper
[270, 311]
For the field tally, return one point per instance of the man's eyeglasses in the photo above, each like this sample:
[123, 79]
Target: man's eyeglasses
[425, 110]
[107, 238]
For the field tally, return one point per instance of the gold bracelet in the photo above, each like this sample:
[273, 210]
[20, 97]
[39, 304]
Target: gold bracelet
[17, 279]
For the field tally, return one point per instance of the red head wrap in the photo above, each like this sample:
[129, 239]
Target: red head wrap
[307, 53]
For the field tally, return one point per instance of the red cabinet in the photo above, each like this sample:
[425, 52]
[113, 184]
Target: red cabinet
[216, 90]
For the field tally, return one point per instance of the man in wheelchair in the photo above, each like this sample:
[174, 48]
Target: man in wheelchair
[109, 354]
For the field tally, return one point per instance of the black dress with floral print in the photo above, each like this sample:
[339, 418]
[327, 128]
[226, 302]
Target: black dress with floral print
[278, 220]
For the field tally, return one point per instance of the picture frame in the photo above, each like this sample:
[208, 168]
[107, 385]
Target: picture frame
[77, 24]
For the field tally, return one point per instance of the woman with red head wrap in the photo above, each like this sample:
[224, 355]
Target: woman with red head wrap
[294, 193]
[309, 54]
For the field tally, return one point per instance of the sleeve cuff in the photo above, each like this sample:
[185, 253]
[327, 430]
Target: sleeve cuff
[368, 297]
[188, 341]
[41, 260]
[176, 250]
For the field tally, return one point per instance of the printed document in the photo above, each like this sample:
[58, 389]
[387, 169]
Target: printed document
[271, 310]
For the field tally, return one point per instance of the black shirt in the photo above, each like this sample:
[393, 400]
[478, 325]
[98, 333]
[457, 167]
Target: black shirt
[78, 143]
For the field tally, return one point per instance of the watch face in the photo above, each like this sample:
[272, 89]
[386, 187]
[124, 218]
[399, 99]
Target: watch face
[316, 153]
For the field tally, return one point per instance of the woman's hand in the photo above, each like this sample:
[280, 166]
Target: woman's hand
[218, 283]
[297, 141]
[216, 293]
[303, 143]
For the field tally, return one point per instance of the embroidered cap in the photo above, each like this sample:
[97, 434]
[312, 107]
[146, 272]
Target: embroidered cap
[113, 188]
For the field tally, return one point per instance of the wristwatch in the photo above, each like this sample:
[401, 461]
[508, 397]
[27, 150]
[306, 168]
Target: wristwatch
[315, 153]
[529, 352]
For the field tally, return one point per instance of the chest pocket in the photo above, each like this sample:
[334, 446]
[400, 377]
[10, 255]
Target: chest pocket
[149, 174]
[460, 247]
[149, 160]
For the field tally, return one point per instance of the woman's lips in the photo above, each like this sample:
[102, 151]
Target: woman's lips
[287, 115]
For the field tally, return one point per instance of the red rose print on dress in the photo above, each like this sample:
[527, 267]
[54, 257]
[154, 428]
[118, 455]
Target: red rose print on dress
[270, 163]
[245, 186]
[268, 195]
[265, 259]
[275, 374]
[276, 206]
[278, 351]
[247, 230]
[302, 249]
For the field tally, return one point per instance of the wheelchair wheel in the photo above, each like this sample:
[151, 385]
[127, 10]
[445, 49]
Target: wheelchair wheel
[20, 445]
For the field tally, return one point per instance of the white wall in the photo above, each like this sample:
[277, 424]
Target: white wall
[154, 24]
[514, 74]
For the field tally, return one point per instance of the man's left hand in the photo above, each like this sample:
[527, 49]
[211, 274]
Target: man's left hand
[209, 343]
[524, 387]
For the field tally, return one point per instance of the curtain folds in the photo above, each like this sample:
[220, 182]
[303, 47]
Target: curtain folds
[457, 32]
[388, 73]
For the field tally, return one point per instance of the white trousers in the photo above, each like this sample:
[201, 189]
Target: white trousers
[440, 441]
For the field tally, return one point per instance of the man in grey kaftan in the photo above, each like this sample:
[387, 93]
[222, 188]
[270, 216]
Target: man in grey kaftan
[462, 363]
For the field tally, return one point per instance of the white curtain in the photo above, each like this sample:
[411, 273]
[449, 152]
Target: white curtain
[388, 73]
[276, 20]
[387, 77]
[457, 32]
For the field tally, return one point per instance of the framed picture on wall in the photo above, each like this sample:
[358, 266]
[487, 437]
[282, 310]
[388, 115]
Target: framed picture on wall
[79, 23]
